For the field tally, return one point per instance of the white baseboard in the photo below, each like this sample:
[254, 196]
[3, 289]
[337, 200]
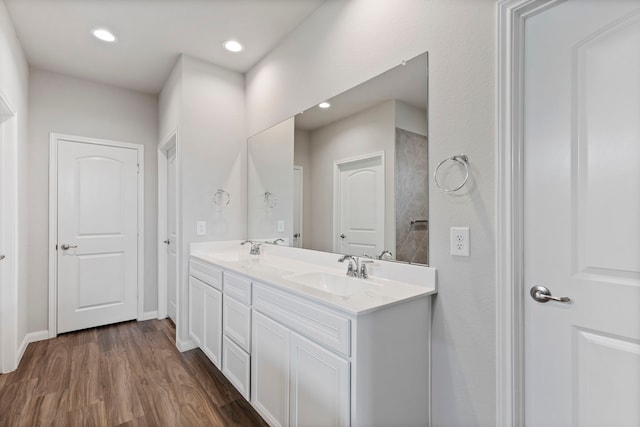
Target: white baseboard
[185, 345]
[148, 315]
[29, 338]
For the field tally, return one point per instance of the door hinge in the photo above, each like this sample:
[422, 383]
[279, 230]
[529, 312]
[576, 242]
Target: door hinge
[138, 165]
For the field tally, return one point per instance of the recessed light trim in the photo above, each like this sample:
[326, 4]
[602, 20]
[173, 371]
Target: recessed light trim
[233, 46]
[324, 105]
[104, 35]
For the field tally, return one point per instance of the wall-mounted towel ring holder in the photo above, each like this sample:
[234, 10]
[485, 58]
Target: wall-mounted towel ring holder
[221, 198]
[458, 158]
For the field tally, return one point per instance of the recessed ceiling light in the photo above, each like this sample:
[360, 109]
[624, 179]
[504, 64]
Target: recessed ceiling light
[104, 35]
[324, 105]
[233, 46]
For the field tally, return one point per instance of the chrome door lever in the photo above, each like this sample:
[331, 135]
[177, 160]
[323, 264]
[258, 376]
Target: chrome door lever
[1, 257]
[66, 247]
[542, 294]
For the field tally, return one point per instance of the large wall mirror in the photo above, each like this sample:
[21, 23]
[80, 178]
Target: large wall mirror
[349, 178]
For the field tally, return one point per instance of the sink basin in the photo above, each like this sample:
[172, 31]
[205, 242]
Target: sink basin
[226, 256]
[331, 283]
[263, 268]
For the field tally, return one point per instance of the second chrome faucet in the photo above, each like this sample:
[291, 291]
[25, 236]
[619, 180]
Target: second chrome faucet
[356, 267]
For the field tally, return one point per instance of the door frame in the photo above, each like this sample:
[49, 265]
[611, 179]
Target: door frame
[167, 144]
[9, 223]
[337, 165]
[54, 139]
[509, 186]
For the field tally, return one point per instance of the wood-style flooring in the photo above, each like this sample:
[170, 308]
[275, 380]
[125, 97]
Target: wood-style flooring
[128, 374]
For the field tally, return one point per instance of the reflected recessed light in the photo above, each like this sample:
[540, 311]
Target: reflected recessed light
[233, 46]
[104, 35]
[324, 105]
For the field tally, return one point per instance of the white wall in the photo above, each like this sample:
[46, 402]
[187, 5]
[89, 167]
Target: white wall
[269, 169]
[14, 82]
[206, 104]
[411, 118]
[68, 105]
[363, 133]
[345, 43]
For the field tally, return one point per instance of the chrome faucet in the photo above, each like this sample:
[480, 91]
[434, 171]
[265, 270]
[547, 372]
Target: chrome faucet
[255, 247]
[386, 253]
[275, 242]
[352, 268]
[363, 268]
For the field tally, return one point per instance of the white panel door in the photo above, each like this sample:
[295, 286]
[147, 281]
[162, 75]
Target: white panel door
[361, 199]
[582, 214]
[172, 235]
[320, 386]
[97, 220]
[270, 370]
[298, 207]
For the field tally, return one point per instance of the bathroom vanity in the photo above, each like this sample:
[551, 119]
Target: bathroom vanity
[308, 345]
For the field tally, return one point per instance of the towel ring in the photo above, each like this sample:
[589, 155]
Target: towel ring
[458, 158]
[221, 198]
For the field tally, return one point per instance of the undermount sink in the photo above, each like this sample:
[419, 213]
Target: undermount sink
[226, 256]
[331, 283]
[264, 268]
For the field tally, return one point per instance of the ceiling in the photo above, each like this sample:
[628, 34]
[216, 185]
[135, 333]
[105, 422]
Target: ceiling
[406, 83]
[55, 35]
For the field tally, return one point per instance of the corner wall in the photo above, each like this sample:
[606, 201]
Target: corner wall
[345, 43]
[206, 104]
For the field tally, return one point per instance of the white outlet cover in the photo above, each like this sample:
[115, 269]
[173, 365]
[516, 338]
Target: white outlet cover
[459, 241]
[281, 226]
[201, 228]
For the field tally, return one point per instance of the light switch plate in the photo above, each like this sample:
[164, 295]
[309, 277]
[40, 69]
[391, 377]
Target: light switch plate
[201, 228]
[280, 226]
[460, 241]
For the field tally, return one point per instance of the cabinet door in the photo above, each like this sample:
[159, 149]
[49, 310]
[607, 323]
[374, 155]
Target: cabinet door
[270, 370]
[212, 340]
[196, 310]
[320, 385]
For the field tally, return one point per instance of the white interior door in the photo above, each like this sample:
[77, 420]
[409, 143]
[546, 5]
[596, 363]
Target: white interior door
[172, 233]
[582, 214]
[97, 235]
[297, 206]
[360, 206]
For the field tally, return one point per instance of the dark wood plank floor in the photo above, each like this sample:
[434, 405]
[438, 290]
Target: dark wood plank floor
[128, 374]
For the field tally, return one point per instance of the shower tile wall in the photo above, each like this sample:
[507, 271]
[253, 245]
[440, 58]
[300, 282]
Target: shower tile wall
[411, 188]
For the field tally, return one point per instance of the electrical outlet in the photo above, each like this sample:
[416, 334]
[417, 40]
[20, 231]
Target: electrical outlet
[281, 226]
[201, 228]
[460, 241]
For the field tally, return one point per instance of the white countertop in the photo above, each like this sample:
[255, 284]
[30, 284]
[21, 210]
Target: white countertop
[288, 268]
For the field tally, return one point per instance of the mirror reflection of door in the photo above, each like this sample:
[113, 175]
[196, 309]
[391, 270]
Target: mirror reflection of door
[360, 201]
[172, 235]
[297, 205]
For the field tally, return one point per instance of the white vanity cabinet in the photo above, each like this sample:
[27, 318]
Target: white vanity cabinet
[236, 327]
[303, 362]
[205, 309]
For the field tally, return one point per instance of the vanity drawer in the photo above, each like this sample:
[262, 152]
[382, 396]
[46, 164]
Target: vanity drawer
[236, 321]
[306, 318]
[237, 287]
[207, 273]
[235, 366]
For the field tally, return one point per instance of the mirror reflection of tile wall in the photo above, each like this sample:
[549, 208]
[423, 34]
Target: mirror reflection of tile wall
[411, 191]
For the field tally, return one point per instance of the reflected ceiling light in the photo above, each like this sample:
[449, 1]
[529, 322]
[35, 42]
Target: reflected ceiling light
[233, 46]
[104, 35]
[324, 105]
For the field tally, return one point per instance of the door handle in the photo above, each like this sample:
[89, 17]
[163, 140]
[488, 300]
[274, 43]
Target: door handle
[342, 236]
[1, 257]
[66, 247]
[542, 294]
[295, 236]
[167, 241]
